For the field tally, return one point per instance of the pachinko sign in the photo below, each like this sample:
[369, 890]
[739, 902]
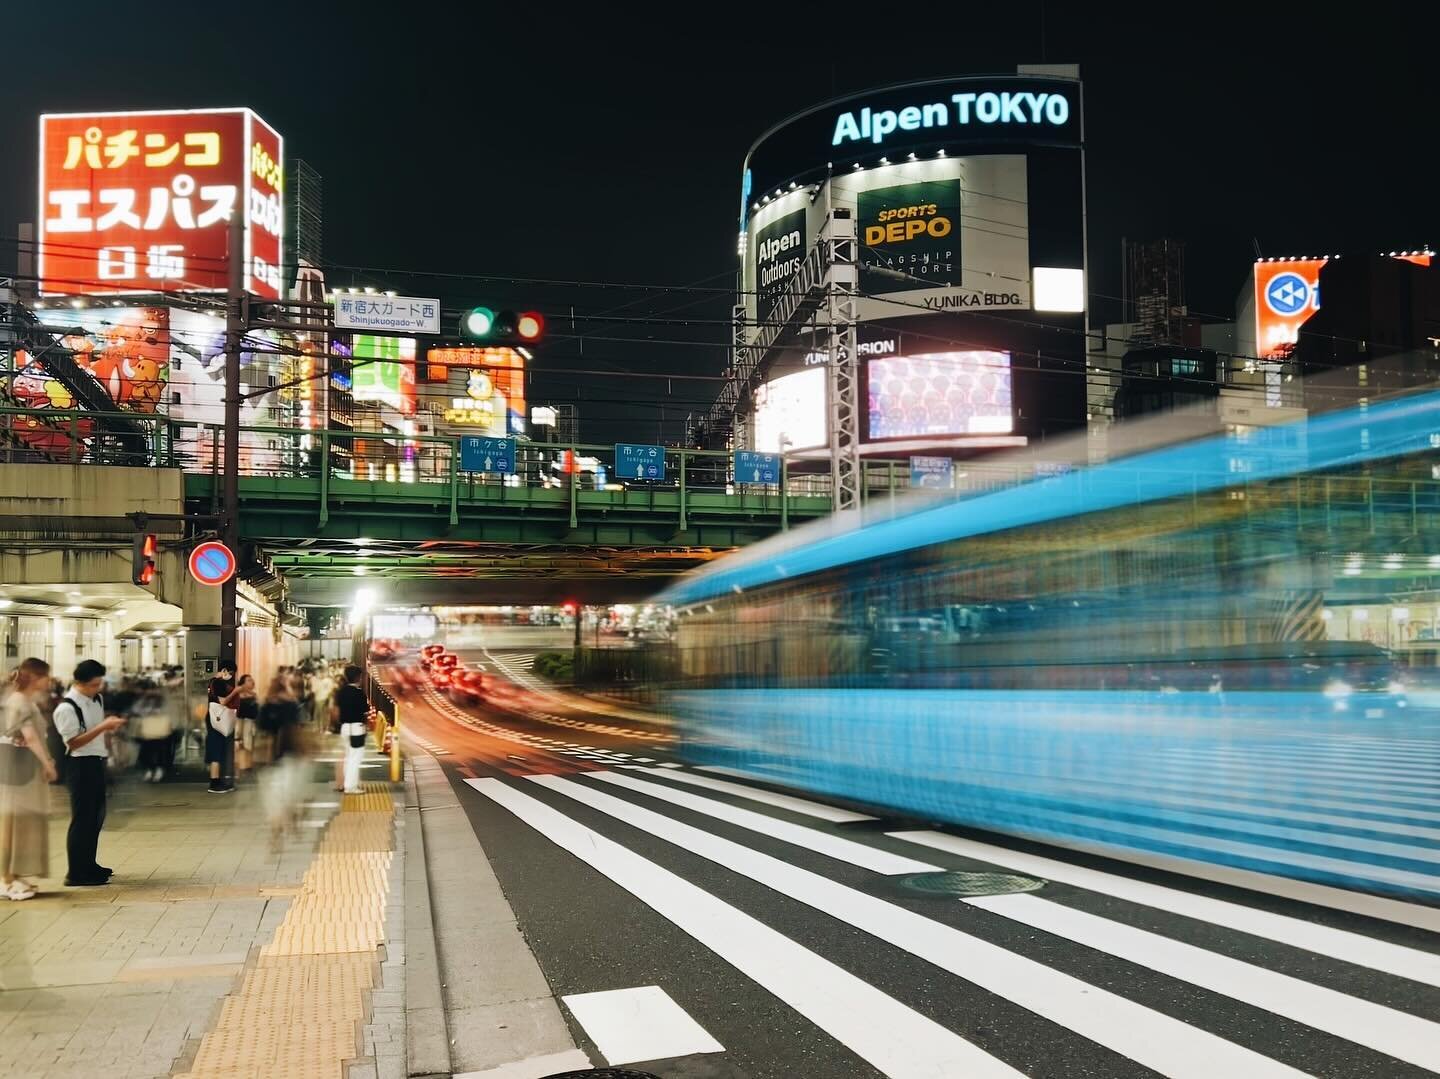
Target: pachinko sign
[140, 202]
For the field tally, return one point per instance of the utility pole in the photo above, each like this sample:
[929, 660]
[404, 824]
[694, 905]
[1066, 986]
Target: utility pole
[235, 316]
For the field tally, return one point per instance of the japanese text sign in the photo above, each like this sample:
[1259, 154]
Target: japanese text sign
[408, 314]
[479, 454]
[637, 462]
[752, 467]
[141, 201]
[934, 472]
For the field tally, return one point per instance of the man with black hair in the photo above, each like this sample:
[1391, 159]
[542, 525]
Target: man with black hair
[82, 723]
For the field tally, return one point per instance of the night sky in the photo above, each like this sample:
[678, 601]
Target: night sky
[608, 148]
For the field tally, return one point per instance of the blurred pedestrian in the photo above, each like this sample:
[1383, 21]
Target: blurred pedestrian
[243, 700]
[153, 730]
[354, 715]
[282, 783]
[81, 720]
[25, 769]
[219, 726]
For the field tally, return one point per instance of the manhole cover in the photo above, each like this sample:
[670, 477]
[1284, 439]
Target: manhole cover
[956, 884]
[603, 1073]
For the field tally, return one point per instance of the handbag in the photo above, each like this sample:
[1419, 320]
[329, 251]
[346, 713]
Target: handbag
[222, 719]
[18, 766]
[357, 741]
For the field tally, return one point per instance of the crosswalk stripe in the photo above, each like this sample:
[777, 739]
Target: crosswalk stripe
[894, 1038]
[1151, 1038]
[1311, 936]
[1405, 1037]
[845, 850]
[759, 794]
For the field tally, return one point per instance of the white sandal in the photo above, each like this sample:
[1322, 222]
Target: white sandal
[18, 891]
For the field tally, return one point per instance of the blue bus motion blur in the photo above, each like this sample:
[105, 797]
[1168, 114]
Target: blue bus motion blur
[1163, 655]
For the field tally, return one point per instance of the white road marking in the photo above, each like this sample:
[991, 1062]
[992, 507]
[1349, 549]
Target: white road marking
[832, 846]
[757, 794]
[1164, 1044]
[1405, 1037]
[894, 1038]
[1339, 944]
[631, 1025]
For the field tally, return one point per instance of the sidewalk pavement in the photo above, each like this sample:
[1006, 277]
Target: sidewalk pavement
[131, 980]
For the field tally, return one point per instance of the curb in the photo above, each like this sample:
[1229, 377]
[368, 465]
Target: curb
[427, 1037]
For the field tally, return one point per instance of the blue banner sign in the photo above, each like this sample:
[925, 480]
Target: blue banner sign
[752, 467]
[478, 454]
[639, 462]
[933, 472]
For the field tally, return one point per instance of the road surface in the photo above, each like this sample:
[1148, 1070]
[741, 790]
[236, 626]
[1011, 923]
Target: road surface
[703, 926]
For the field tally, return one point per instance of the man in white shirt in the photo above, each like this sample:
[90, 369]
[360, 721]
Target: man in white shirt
[82, 724]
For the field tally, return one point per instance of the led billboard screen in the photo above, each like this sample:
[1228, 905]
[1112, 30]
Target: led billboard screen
[940, 393]
[790, 412]
[488, 388]
[140, 202]
[383, 371]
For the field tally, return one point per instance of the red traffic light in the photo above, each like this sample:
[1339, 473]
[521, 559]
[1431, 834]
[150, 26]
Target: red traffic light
[530, 326]
[142, 561]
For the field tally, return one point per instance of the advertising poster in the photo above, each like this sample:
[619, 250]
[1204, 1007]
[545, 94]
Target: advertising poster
[383, 371]
[790, 412]
[957, 228]
[942, 393]
[141, 202]
[911, 229]
[487, 388]
[780, 247]
[126, 350]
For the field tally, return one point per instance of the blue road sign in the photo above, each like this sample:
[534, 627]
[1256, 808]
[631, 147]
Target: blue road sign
[752, 467]
[933, 472]
[634, 461]
[479, 454]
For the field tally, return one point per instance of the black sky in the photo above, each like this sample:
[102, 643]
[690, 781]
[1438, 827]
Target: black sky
[607, 147]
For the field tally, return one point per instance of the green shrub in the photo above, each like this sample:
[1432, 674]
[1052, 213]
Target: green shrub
[556, 666]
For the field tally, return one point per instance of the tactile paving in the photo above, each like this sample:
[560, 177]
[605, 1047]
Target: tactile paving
[296, 1012]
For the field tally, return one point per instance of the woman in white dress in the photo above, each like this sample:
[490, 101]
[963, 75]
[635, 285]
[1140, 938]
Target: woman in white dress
[25, 772]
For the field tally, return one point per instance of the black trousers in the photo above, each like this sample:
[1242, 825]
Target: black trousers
[85, 776]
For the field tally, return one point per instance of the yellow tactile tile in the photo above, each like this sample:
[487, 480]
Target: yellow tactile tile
[296, 1013]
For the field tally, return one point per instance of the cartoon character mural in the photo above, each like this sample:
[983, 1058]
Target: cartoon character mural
[127, 350]
[35, 388]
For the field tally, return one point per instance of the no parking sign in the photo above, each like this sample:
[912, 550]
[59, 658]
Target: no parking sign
[212, 563]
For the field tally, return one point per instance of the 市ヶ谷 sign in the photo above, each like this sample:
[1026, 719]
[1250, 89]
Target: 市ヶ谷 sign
[212, 563]
[933, 472]
[479, 454]
[752, 467]
[396, 314]
[639, 462]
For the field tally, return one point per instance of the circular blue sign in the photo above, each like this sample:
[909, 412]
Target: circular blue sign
[212, 563]
[1288, 294]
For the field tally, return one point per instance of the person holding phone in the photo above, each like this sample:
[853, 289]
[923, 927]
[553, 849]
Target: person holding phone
[81, 720]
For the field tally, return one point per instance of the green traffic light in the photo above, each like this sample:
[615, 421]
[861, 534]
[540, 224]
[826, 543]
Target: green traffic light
[478, 322]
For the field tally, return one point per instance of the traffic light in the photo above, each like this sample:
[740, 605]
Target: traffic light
[491, 327]
[142, 559]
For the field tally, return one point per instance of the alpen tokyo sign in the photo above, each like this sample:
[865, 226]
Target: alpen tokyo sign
[990, 108]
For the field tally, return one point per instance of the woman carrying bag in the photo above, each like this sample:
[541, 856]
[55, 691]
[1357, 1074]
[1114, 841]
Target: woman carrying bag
[219, 726]
[25, 769]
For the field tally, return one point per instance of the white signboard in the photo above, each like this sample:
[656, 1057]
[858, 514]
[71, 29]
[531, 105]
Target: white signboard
[393, 314]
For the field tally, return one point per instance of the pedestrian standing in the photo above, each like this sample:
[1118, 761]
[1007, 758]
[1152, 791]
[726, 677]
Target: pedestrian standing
[354, 713]
[282, 782]
[81, 720]
[25, 770]
[219, 726]
[247, 708]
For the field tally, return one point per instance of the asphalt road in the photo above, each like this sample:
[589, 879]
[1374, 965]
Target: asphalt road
[792, 939]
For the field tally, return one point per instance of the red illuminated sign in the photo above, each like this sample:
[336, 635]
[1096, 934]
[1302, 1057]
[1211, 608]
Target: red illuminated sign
[141, 201]
[1287, 292]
